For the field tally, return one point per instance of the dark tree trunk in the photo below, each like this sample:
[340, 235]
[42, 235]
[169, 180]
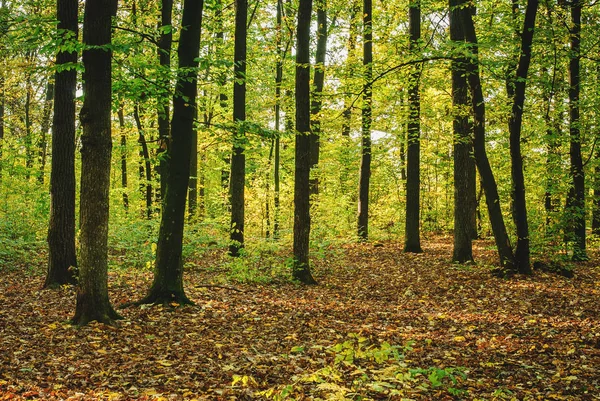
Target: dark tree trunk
[365, 161]
[238, 158]
[167, 287]
[96, 145]
[164, 58]
[145, 164]
[62, 260]
[488, 181]
[123, 144]
[46, 114]
[276, 144]
[301, 267]
[318, 83]
[514, 125]
[351, 48]
[577, 209]
[464, 185]
[28, 133]
[413, 175]
[193, 184]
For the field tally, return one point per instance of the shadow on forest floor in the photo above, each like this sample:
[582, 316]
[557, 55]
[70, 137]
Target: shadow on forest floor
[525, 338]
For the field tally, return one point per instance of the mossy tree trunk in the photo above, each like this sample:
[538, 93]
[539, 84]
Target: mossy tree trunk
[96, 147]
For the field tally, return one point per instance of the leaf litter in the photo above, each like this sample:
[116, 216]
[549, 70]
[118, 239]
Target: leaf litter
[525, 338]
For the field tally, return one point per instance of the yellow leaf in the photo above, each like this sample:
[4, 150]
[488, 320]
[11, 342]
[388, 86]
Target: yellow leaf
[459, 339]
[164, 363]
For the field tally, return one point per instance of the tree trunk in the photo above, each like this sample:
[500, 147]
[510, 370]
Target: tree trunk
[488, 181]
[365, 161]
[167, 287]
[577, 209]
[96, 144]
[276, 144]
[145, 165]
[45, 126]
[28, 134]
[350, 59]
[238, 158]
[413, 175]
[317, 95]
[62, 260]
[123, 144]
[301, 267]
[193, 184]
[164, 57]
[464, 204]
[514, 125]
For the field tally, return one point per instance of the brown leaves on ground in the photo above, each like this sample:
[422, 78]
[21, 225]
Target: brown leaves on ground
[528, 338]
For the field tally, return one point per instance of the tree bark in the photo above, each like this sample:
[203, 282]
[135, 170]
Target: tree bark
[464, 202]
[238, 158]
[167, 286]
[276, 144]
[145, 165]
[514, 125]
[365, 161]
[301, 267]
[96, 145]
[123, 143]
[45, 126]
[486, 174]
[62, 260]
[413, 174]
[164, 57]
[317, 95]
[577, 209]
[193, 184]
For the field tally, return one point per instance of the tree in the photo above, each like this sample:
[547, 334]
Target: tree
[238, 158]
[96, 145]
[365, 161]
[464, 166]
[413, 176]
[301, 266]
[577, 204]
[514, 125]
[62, 259]
[317, 95]
[488, 181]
[167, 286]
[163, 108]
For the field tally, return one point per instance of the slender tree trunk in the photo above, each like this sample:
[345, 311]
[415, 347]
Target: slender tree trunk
[123, 144]
[488, 181]
[276, 144]
[577, 209]
[365, 162]
[464, 204]
[301, 267]
[62, 260]
[238, 158]
[514, 125]
[413, 175]
[350, 60]
[96, 144]
[193, 184]
[145, 164]
[167, 286]
[28, 133]
[45, 126]
[164, 57]
[317, 95]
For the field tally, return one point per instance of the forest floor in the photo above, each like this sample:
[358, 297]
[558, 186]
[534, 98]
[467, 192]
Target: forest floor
[381, 324]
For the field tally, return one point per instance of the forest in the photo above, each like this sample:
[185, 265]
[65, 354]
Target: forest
[299, 199]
